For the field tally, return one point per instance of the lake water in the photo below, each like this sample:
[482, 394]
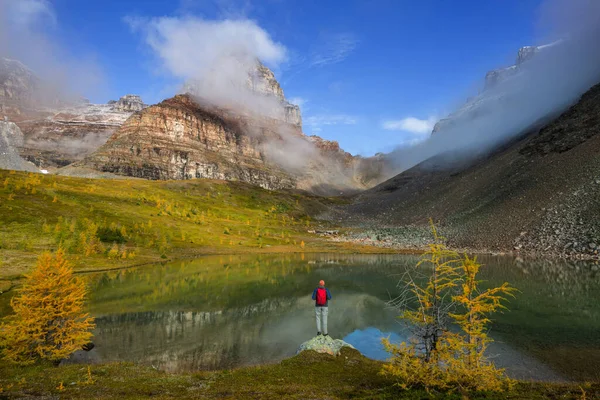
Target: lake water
[227, 311]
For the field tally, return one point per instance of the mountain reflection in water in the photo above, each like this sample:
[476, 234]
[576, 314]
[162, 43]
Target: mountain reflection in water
[230, 311]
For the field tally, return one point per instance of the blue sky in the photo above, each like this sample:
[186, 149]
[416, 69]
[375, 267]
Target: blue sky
[369, 74]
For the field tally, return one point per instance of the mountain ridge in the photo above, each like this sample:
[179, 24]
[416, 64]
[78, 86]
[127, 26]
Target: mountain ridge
[532, 195]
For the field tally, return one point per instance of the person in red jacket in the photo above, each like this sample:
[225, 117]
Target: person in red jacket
[321, 296]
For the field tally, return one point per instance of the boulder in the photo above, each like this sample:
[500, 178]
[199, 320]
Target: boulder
[324, 344]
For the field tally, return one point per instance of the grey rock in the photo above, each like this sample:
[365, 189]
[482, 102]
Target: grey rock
[11, 138]
[17, 82]
[324, 344]
[129, 102]
[526, 53]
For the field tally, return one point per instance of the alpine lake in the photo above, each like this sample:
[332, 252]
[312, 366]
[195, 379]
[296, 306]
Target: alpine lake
[223, 312]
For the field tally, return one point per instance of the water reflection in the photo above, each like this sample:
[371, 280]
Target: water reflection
[223, 312]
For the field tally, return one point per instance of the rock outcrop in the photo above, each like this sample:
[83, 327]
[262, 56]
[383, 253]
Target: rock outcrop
[128, 103]
[324, 344]
[262, 81]
[11, 139]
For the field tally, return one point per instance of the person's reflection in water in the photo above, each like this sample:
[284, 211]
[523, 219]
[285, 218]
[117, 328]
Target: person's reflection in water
[321, 296]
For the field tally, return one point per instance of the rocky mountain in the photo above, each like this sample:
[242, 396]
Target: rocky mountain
[56, 137]
[179, 139]
[485, 102]
[187, 137]
[57, 132]
[17, 83]
[538, 193]
[176, 139]
[184, 137]
[128, 103]
[11, 138]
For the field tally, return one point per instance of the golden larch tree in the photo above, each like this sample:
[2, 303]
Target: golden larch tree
[49, 321]
[446, 292]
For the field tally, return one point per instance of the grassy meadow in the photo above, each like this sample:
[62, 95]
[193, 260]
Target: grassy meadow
[118, 223]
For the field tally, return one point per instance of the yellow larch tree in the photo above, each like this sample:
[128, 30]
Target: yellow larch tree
[49, 322]
[445, 292]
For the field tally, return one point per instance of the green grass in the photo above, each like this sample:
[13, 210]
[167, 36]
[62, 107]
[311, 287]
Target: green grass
[306, 376]
[154, 220]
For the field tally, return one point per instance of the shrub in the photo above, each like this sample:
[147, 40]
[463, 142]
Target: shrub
[109, 235]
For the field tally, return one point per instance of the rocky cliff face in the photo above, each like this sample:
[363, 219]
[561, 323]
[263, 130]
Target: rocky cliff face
[57, 132]
[186, 137]
[11, 139]
[263, 81]
[179, 139]
[176, 139]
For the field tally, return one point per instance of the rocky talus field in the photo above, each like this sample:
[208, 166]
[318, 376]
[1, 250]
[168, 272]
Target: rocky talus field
[538, 194]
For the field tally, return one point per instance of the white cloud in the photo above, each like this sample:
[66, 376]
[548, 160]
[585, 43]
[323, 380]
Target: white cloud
[410, 124]
[317, 122]
[29, 32]
[29, 12]
[333, 48]
[191, 47]
[299, 101]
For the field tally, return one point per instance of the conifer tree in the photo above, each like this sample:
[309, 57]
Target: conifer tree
[448, 291]
[48, 321]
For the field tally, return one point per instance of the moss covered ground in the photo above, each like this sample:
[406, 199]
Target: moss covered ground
[306, 376]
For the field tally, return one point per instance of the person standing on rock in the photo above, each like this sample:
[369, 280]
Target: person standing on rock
[321, 296]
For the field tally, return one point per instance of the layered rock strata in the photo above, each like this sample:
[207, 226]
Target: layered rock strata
[178, 140]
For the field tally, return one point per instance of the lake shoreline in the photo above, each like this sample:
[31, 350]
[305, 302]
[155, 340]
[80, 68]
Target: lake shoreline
[307, 375]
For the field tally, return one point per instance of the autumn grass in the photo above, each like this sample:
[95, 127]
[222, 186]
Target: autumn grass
[306, 376]
[149, 221]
